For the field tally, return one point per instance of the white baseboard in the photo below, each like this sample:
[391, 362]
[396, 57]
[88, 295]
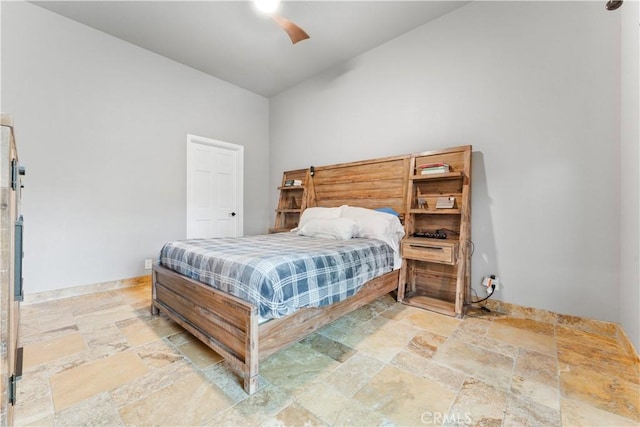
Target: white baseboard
[75, 291]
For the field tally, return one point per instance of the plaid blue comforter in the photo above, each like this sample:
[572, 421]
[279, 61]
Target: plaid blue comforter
[280, 273]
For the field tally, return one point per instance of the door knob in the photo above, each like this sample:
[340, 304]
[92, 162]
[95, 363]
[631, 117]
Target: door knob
[233, 214]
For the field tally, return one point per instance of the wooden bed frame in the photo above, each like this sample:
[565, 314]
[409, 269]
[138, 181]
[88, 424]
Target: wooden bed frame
[230, 326]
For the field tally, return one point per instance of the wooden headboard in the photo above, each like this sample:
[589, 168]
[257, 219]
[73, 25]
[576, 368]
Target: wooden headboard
[369, 184]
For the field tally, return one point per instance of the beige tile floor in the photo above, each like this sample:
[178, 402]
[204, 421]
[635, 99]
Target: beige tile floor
[102, 359]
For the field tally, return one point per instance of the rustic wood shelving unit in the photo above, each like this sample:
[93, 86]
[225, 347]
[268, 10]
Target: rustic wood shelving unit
[436, 272]
[292, 201]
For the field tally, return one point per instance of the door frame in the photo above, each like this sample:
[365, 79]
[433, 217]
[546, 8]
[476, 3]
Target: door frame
[239, 149]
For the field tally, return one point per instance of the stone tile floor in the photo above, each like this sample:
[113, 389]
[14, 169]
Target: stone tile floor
[102, 359]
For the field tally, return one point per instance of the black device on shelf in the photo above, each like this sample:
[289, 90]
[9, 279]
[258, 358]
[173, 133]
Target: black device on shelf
[430, 235]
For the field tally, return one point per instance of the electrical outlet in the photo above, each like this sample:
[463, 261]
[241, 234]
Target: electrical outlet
[148, 263]
[492, 283]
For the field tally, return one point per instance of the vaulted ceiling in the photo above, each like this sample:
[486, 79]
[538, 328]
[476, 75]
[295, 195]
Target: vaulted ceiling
[233, 41]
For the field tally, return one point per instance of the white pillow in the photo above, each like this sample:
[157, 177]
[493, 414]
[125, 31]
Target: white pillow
[372, 223]
[329, 228]
[316, 212]
[377, 225]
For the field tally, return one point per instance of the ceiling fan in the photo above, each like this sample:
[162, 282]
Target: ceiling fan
[613, 4]
[270, 7]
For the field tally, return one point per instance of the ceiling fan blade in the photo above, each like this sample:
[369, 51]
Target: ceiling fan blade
[295, 33]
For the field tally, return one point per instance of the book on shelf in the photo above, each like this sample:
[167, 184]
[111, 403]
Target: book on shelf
[430, 168]
[293, 183]
[432, 165]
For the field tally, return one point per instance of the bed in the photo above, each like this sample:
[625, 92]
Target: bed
[234, 320]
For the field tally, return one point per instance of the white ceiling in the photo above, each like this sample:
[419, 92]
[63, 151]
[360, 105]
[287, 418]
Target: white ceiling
[231, 40]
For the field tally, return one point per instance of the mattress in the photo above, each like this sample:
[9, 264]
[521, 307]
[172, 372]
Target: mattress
[280, 273]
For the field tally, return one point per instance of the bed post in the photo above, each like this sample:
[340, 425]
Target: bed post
[252, 355]
[154, 309]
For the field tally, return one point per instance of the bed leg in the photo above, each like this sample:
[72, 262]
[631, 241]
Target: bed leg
[154, 310]
[251, 384]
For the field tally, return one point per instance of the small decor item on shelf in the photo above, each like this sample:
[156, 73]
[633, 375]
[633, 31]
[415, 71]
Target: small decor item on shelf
[430, 168]
[421, 202]
[420, 199]
[293, 183]
[445, 202]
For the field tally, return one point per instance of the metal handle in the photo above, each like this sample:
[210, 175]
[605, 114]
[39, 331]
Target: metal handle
[233, 214]
[16, 172]
[19, 230]
[427, 247]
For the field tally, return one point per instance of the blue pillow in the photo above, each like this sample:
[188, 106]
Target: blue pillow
[388, 210]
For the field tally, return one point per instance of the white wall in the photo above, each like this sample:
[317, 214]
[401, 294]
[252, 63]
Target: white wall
[535, 88]
[630, 187]
[101, 126]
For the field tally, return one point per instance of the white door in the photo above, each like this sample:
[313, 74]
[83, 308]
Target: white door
[214, 188]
